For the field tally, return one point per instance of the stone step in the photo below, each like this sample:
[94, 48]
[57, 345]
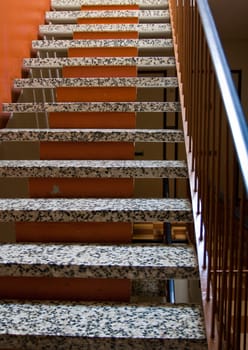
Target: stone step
[151, 63]
[139, 82]
[67, 30]
[62, 45]
[133, 261]
[50, 325]
[93, 107]
[91, 135]
[72, 16]
[76, 4]
[99, 169]
[95, 210]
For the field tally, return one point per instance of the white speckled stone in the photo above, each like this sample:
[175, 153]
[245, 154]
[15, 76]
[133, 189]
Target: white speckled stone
[98, 210]
[140, 62]
[92, 135]
[91, 168]
[49, 326]
[93, 107]
[65, 44]
[98, 261]
[68, 29]
[74, 15]
[140, 82]
[76, 4]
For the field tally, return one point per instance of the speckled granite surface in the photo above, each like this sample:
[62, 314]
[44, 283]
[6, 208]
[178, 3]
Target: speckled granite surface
[98, 261]
[110, 210]
[70, 15]
[60, 4]
[90, 135]
[58, 29]
[94, 107]
[100, 326]
[140, 62]
[65, 44]
[140, 82]
[93, 168]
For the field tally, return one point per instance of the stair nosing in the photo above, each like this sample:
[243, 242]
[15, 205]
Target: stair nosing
[58, 62]
[66, 44]
[91, 135]
[93, 168]
[119, 325]
[54, 15]
[76, 4]
[93, 107]
[132, 261]
[139, 82]
[95, 210]
[64, 29]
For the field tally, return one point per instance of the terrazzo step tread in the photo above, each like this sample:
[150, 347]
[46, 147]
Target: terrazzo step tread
[66, 44]
[76, 4]
[68, 29]
[133, 261]
[93, 168]
[95, 210]
[93, 107]
[51, 325]
[140, 62]
[74, 15]
[139, 82]
[92, 135]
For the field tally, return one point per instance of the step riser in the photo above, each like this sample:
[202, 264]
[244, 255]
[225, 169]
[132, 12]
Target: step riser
[72, 289]
[79, 232]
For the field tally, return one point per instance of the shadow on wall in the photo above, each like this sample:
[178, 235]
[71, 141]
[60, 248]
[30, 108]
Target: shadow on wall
[19, 20]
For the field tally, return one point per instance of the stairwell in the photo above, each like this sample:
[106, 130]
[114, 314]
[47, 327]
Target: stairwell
[86, 206]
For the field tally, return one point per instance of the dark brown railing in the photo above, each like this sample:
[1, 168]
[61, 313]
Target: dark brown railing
[217, 143]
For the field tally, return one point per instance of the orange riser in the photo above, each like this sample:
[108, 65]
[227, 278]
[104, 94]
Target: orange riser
[49, 288]
[103, 52]
[99, 71]
[79, 188]
[108, 7]
[108, 20]
[92, 120]
[96, 94]
[104, 35]
[84, 232]
[86, 150]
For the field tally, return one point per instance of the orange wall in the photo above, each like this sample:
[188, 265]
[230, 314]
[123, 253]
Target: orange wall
[19, 20]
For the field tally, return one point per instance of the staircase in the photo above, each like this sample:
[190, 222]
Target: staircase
[79, 268]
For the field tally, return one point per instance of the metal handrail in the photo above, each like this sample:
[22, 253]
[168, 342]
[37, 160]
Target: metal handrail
[234, 111]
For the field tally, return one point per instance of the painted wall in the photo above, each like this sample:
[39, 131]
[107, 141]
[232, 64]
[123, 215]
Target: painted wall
[19, 20]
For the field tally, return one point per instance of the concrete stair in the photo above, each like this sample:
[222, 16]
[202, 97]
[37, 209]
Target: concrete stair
[104, 326]
[72, 274]
[67, 30]
[63, 45]
[54, 17]
[74, 5]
